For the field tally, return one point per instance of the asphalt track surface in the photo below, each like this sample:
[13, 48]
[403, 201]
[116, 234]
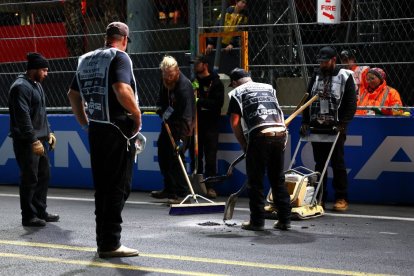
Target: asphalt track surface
[366, 240]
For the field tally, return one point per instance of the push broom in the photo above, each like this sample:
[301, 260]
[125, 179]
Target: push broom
[195, 207]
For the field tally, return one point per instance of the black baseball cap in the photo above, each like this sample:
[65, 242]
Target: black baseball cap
[348, 54]
[325, 54]
[236, 74]
[118, 28]
[199, 59]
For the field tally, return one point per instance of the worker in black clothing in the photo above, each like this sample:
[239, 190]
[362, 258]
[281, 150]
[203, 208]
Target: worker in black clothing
[32, 137]
[209, 91]
[258, 124]
[176, 107]
[334, 109]
[105, 81]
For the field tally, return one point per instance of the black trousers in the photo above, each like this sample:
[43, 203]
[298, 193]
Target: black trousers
[174, 179]
[340, 177]
[112, 162]
[208, 134]
[34, 179]
[266, 154]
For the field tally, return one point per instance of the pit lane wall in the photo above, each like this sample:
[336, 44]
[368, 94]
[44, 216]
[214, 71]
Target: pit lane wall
[379, 155]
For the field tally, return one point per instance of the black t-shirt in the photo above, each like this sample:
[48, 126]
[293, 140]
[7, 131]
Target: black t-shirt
[234, 107]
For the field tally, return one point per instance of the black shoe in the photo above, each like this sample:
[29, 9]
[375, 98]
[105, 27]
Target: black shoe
[51, 217]
[163, 194]
[34, 222]
[251, 227]
[284, 226]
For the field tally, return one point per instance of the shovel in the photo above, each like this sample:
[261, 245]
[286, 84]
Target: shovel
[231, 202]
[221, 178]
[197, 178]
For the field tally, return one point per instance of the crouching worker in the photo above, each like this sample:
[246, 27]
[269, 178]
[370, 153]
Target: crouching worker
[256, 107]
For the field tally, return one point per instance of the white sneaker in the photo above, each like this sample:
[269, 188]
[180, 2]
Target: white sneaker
[122, 251]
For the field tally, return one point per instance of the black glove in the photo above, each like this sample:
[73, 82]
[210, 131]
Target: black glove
[304, 129]
[341, 127]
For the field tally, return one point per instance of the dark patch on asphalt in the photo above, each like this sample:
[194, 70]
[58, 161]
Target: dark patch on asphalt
[208, 223]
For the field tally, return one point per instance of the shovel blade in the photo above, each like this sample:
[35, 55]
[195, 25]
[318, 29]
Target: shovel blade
[230, 205]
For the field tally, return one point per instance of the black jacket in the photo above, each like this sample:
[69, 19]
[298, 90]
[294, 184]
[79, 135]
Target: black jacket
[181, 99]
[210, 97]
[27, 106]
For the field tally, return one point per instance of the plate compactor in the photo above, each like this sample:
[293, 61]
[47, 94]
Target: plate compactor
[304, 185]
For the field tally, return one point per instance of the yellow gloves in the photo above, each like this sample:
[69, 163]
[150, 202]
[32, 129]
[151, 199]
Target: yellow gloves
[37, 148]
[52, 141]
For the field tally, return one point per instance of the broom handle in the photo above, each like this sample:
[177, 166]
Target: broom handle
[300, 109]
[167, 127]
[196, 141]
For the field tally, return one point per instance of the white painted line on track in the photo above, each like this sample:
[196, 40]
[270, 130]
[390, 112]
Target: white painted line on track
[238, 209]
[369, 216]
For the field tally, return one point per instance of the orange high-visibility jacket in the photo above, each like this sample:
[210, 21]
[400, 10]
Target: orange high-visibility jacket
[384, 95]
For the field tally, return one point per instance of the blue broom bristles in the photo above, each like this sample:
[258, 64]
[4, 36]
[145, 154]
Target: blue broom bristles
[196, 208]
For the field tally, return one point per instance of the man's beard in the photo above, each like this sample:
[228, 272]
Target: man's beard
[38, 77]
[327, 70]
[170, 85]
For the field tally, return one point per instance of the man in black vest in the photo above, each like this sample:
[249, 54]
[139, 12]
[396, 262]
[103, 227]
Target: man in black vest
[258, 124]
[105, 81]
[335, 108]
[32, 136]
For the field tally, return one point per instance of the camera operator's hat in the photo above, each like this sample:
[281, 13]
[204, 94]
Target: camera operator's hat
[348, 53]
[236, 74]
[325, 54]
[118, 28]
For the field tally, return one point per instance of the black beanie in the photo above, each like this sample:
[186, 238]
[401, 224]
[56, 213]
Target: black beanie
[36, 61]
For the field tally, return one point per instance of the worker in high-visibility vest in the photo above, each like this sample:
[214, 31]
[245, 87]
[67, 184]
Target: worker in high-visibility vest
[378, 93]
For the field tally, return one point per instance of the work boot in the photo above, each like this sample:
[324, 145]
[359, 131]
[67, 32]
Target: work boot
[34, 222]
[340, 205]
[251, 227]
[122, 251]
[178, 200]
[284, 226]
[211, 193]
[50, 217]
[163, 194]
[270, 208]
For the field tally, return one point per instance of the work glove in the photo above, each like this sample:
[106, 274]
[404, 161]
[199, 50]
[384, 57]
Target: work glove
[37, 148]
[341, 127]
[179, 145]
[304, 129]
[52, 141]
